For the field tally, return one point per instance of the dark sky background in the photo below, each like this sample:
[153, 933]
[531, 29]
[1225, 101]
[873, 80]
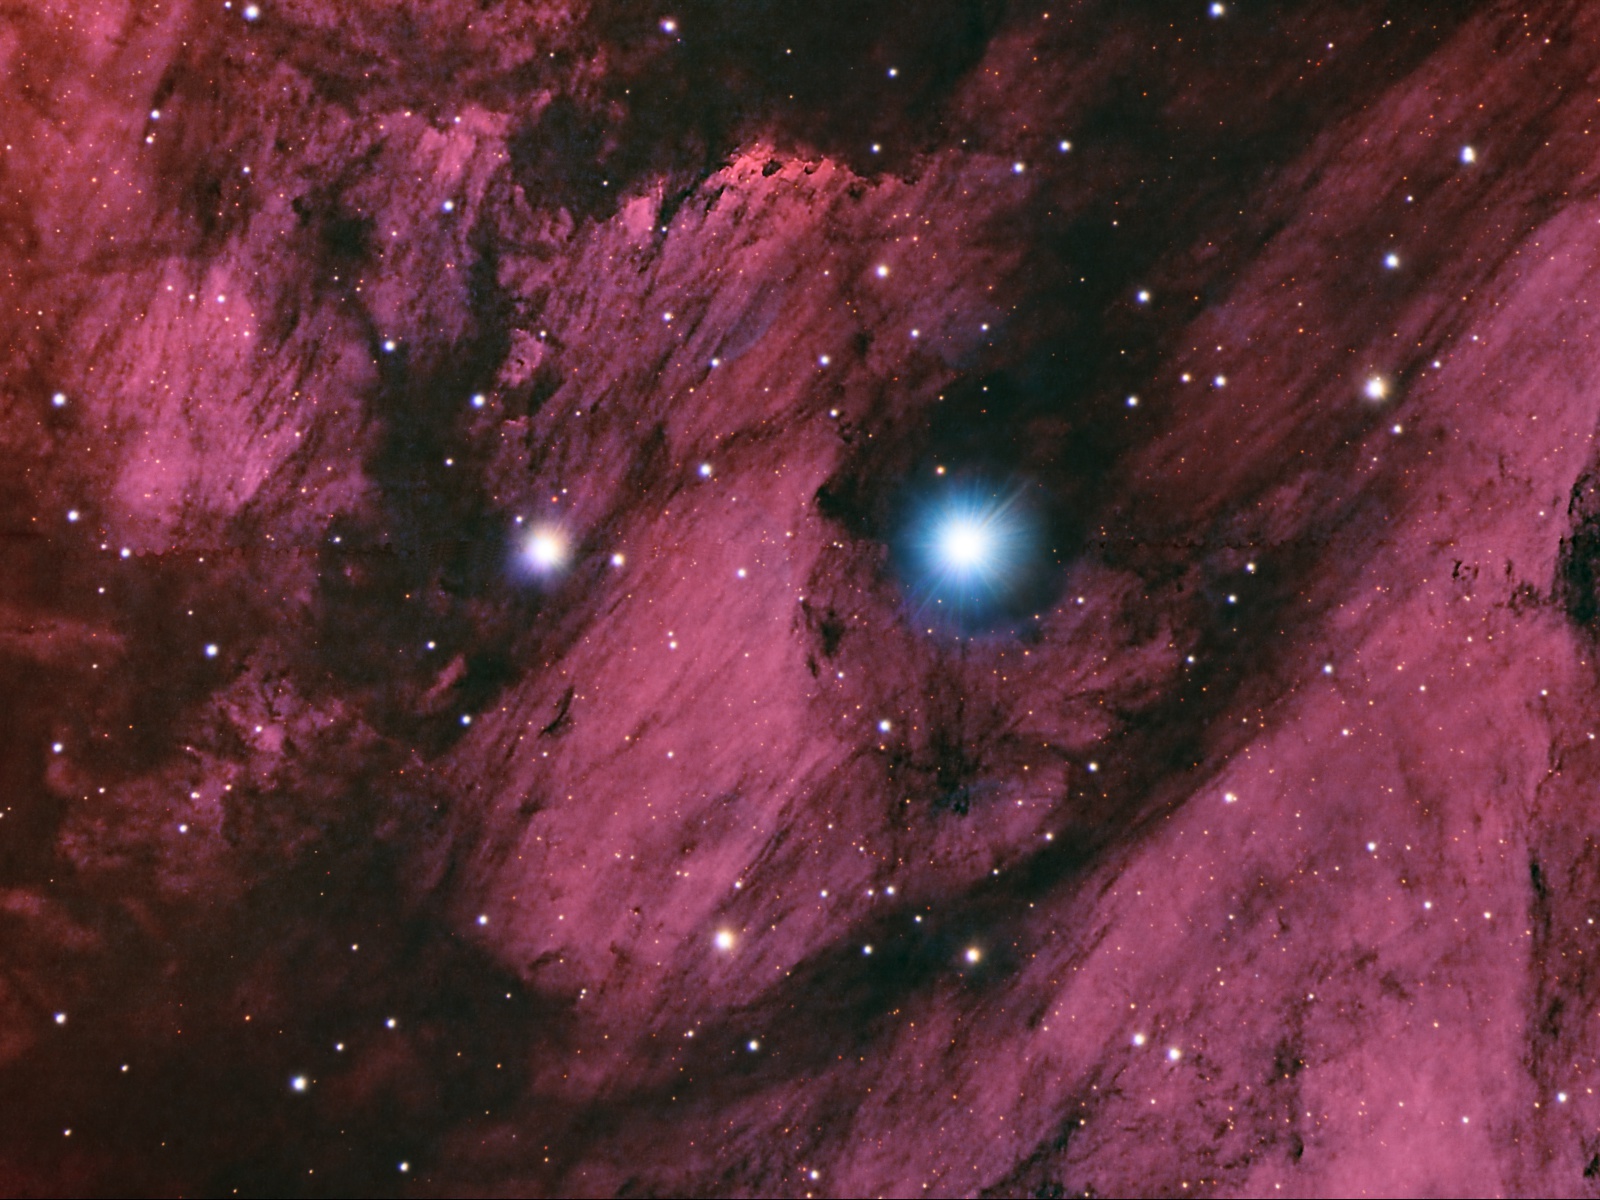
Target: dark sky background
[776, 598]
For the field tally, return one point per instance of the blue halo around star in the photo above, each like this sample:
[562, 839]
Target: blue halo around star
[972, 549]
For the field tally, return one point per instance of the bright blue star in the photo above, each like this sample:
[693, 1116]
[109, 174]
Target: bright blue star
[965, 544]
[971, 547]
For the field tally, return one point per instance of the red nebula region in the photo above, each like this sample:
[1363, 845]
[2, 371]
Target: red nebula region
[799, 599]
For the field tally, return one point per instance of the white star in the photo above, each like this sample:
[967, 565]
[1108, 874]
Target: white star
[546, 549]
[965, 544]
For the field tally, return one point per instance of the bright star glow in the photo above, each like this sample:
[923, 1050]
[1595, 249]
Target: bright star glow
[545, 549]
[1376, 388]
[972, 548]
[964, 543]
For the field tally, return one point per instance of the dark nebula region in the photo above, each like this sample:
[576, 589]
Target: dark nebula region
[780, 598]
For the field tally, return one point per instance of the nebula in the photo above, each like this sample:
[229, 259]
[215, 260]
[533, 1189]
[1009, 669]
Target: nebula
[776, 599]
